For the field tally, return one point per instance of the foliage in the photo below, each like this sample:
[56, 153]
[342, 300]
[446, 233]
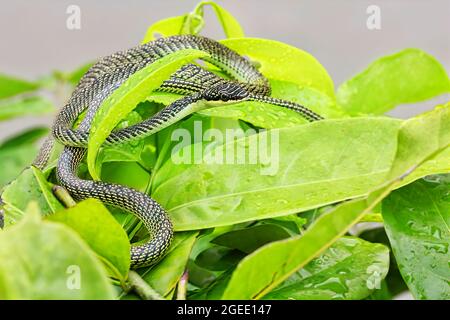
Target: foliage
[241, 234]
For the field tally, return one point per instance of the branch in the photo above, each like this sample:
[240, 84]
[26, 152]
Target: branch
[142, 288]
[62, 195]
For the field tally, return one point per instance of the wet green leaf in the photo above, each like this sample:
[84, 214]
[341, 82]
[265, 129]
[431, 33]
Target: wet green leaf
[130, 174]
[421, 140]
[30, 186]
[417, 219]
[324, 162]
[165, 28]
[98, 228]
[43, 260]
[14, 160]
[17, 152]
[11, 86]
[282, 62]
[350, 269]
[249, 239]
[24, 138]
[264, 269]
[327, 162]
[410, 75]
[288, 256]
[130, 151]
[218, 259]
[12, 108]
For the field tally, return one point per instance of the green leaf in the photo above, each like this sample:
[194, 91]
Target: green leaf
[417, 219]
[13, 160]
[11, 86]
[393, 284]
[198, 276]
[249, 239]
[292, 223]
[420, 140]
[437, 164]
[311, 165]
[168, 139]
[351, 158]
[30, 186]
[218, 258]
[13, 107]
[350, 269]
[215, 290]
[134, 90]
[42, 260]
[130, 174]
[408, 76]
[124, 152]
[104, 235]
[165, 275]
[263, 270]
[287, 256]
[17, 152]
[282, 62]
[204, 240]
[24, 138]
[165, 28]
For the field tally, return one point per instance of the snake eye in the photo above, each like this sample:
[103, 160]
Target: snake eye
[225, 91]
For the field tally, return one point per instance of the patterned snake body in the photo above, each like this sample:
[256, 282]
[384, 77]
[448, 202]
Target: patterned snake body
[191, 80]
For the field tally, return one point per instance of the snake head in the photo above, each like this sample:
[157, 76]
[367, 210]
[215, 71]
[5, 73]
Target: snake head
[225, 91]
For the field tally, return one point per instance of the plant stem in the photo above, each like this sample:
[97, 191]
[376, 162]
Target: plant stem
[182, 286]
[62, 195]
[142, 288]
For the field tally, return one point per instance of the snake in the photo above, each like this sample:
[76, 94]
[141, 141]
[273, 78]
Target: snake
[242, 82]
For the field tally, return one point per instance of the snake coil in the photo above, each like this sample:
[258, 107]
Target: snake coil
[191, 80]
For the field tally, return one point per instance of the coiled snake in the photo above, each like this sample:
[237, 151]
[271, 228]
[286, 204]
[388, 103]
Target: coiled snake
[191, 80]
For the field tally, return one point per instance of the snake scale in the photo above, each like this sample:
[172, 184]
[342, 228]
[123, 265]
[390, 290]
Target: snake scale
[194, 82]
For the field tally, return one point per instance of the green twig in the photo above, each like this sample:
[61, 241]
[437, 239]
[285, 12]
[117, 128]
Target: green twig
[62, 195]
[142, 288]
[182, 286]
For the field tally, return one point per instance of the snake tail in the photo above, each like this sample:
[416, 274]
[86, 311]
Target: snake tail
[153, 216]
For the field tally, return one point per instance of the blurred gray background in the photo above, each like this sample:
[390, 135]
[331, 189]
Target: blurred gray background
[35, 41]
